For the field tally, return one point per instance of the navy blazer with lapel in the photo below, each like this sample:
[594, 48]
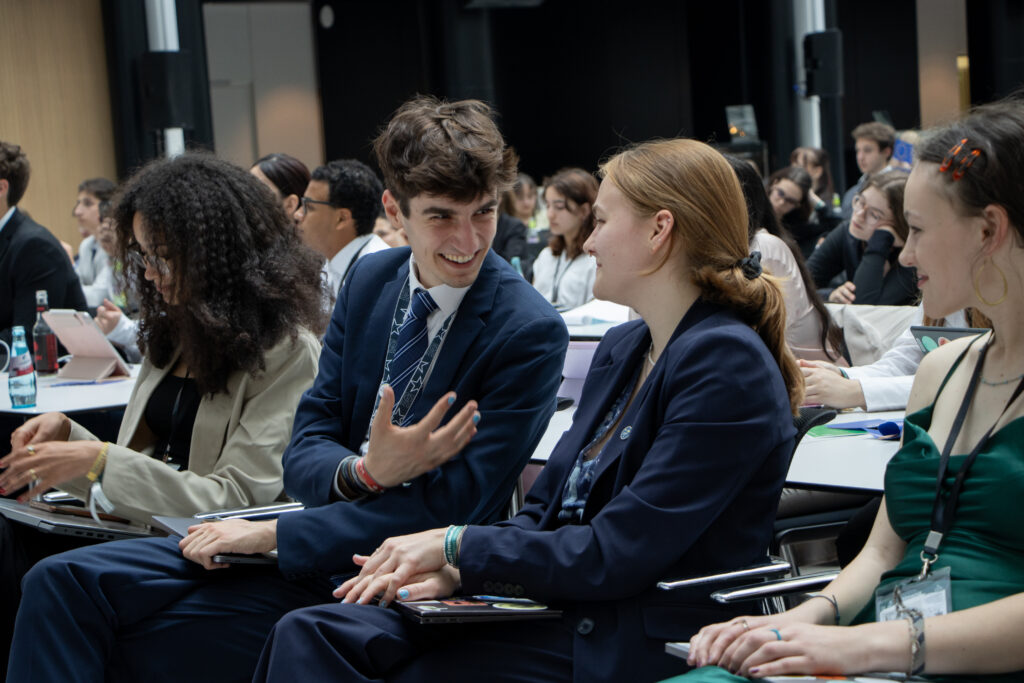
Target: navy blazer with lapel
[691, 488]
[31, 258]
[505, 349]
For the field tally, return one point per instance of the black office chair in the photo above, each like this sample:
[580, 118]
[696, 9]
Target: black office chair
[812, 526]
[771, 600]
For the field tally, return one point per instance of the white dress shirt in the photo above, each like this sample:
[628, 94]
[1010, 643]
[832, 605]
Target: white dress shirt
[566, 284]
[340, 264]
[803, 326]
[886, 383]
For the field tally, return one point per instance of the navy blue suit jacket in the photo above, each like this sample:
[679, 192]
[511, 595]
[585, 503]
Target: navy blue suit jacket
[692, 489]
[31, 258]
[505, 349]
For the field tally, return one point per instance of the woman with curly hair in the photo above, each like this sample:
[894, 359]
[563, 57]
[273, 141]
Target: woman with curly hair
[230, 317]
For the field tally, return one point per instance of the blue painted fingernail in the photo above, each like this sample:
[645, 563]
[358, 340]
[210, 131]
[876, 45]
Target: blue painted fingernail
[476, 418]
[383, 603]
[451, 400]
[403, 594]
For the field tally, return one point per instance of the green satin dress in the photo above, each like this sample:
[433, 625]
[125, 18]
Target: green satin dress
[984, 548]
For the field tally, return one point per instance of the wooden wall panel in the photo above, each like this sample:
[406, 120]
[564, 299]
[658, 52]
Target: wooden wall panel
[55, 102]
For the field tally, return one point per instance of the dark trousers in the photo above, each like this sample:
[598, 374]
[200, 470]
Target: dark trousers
[136, 610]
[21, 546]
[366, 643]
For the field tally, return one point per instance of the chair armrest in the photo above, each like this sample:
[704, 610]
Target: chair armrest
[770, 589]
[253, 513]
[774, 568]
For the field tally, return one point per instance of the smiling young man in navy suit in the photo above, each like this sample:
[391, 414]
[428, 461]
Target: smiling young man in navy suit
[492, 352]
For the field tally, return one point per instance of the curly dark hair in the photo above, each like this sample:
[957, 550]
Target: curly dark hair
[242, 278]
[354, 186]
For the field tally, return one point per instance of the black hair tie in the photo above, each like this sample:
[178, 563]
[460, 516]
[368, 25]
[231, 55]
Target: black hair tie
[751, 265]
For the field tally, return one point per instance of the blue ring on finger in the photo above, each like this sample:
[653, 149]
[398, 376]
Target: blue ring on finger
[776, 632]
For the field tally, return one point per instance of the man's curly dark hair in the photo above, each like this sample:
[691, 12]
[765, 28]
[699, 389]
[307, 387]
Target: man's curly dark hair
[242, 278]
[354, 186]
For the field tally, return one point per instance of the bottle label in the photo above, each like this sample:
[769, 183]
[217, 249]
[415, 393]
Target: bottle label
[46, 352]
[20, 365]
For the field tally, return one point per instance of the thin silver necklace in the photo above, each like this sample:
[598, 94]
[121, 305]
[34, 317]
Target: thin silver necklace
[1001, 382]
[650, 358]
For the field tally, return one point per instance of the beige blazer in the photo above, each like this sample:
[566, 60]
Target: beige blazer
[237, 441]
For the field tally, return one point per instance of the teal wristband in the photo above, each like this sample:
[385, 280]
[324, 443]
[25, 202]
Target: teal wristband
[452, 538]
[843, 373]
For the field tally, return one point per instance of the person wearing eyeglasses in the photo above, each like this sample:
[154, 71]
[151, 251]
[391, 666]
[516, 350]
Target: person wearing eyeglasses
[337, 214]
[867, 249]
[789, 190]
[231, 310]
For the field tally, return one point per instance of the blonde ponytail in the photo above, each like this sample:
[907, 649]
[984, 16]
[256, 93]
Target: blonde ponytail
[698, 186]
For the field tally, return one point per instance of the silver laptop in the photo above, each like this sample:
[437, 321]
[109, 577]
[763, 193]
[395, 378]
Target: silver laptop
[70, 525]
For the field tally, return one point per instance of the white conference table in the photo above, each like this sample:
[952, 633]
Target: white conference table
[55, 393]
[853, 464]
[839, 463]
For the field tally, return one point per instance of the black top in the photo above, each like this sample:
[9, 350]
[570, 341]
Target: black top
[170, 414]
[865, 267]
[509, 237]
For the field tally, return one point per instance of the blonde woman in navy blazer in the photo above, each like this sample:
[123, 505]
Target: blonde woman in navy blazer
[683, 480]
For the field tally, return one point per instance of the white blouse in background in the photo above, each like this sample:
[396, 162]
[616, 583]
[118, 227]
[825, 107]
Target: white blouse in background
[566, 284]
[803, 326]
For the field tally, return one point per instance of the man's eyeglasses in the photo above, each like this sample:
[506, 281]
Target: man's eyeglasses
[306, 201]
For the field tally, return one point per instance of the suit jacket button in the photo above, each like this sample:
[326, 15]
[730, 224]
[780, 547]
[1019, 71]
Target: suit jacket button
[488, 586]
[519, 591]
[508, 589]
[585, 626]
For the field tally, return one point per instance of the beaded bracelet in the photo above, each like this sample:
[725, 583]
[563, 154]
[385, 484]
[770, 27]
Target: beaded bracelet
[452, 540]
[831, 599]
[99, 463]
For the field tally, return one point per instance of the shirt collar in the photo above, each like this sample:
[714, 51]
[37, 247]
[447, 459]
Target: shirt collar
[339, 262]
[446, 297]
[7, 217]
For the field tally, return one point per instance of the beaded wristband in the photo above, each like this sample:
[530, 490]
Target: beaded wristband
[452, 539]
[831, 599]
[364, 476]
[98, 464]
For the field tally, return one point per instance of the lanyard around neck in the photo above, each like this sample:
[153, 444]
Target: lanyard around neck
[402, 413]
[560, 273]
[944, 513]
[352, 262]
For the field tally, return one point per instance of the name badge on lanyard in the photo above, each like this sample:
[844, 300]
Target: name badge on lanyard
[929, 593]
[402, 412]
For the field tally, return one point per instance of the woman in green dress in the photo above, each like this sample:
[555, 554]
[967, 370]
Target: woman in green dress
[939, 588]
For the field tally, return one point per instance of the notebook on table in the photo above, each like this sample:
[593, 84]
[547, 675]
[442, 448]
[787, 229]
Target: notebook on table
[930, 338]
[476, 608]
